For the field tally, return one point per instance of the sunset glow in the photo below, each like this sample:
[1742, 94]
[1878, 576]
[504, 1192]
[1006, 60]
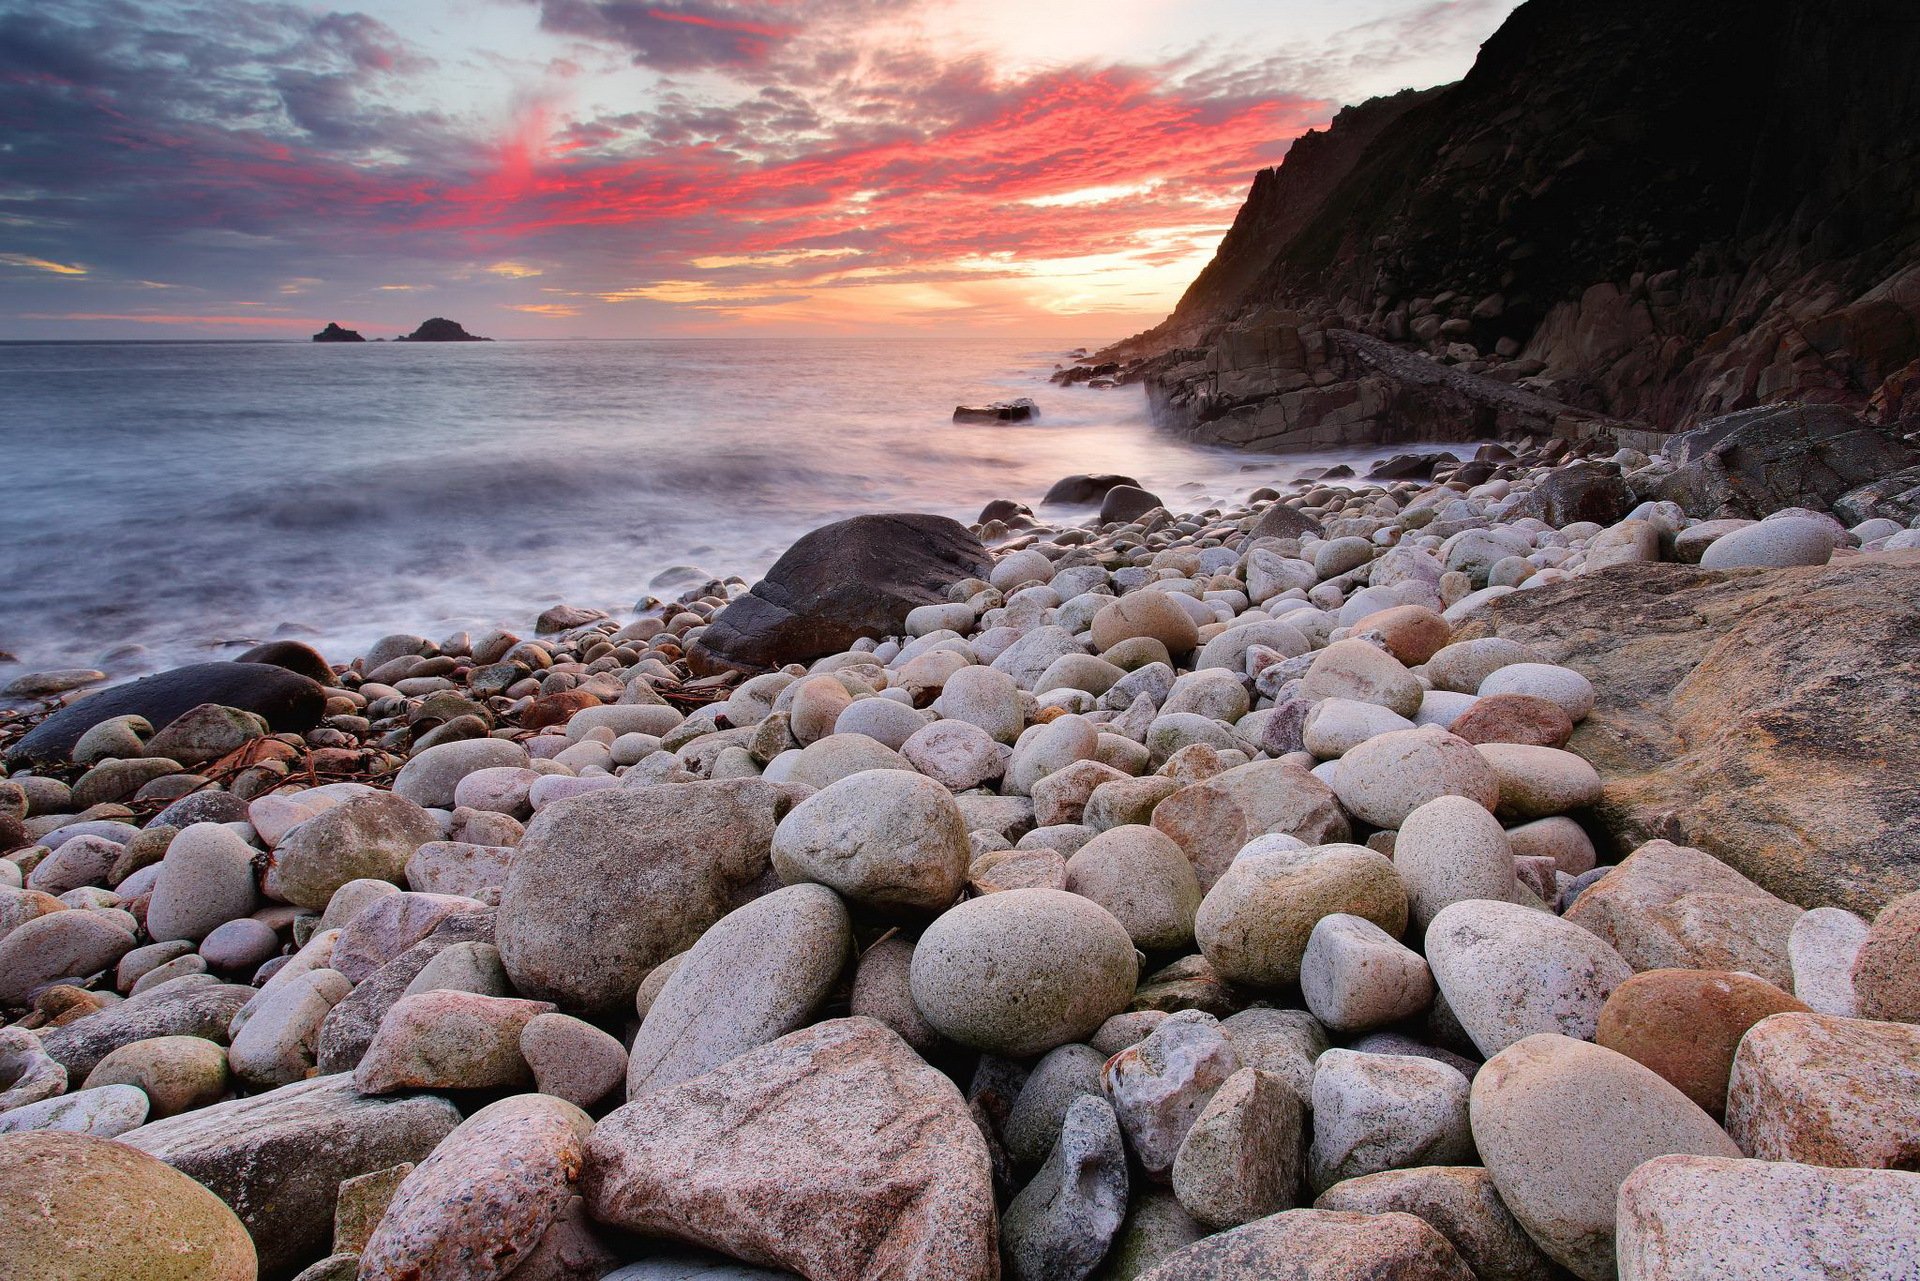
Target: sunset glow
[611, 168]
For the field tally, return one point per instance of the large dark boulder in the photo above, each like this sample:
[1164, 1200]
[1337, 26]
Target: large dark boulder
[1127, 502]
[1575, 492]
[440, 329]
[292, 655]
[1082, 488]
[334, 333]
[1760, 460]
[1892, 497]
[1760, 715]
[288, 701]
[843, 581]
[1000, 411]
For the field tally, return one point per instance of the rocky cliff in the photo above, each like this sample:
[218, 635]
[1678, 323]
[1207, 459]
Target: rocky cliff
[1642, 212]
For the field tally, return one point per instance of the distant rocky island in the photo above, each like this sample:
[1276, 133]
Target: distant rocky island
[440, 329]
[334, 333]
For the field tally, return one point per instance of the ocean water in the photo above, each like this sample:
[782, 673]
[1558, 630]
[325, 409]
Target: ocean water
[191, 498]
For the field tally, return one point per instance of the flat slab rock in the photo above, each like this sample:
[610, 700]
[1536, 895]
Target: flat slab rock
[834, 1152]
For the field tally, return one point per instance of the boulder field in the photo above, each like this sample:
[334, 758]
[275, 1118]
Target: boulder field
[1491, 869]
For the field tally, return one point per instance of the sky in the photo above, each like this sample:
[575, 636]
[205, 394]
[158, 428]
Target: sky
[658, 168]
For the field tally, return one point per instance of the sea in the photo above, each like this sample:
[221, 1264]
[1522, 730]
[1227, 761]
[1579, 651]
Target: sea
[170, 502]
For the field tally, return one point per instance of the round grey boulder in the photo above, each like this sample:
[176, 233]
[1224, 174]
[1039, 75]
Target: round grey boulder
[886, 839]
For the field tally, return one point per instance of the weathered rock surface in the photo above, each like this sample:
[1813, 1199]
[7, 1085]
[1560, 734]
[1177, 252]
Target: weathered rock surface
[1460, 1202]
[835, 1152]
[1827, 1091]
[1319, 1245]
[1732, 716]
[278, 1158]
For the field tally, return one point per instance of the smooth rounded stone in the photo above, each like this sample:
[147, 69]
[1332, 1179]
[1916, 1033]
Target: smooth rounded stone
[1229, 649]
[1374, 1112]
[1152, 614]
[57, 945]
[106, 1112]
[606, 886]
[446, 1040]
[1214, 693]
[572, 1060]
[654, 718]
[1508, 972]
[1388, 777]
[1671, 906]
[499, 789]
[1144, 879]
[463, 967]
[668, 1261]
[1363, 672]
[388, 926]
[1047, 748]
[834, 1151]
[238, 945]
[278, 813]
[19, 905]
[1561, 1123]
[112, 781]
[1827, 1091]
[1160, 1086]
[1355, 976]
[206, 880]
[814, 705]
[458, 867]
[881, 719]
[82, 861]
[278, 1043]
[1411, 633]
[72, 827]
[1062, 1075]
[1168, 735]
[1464, 666]
[984, 697]
[1537, 782]
[118, 738]
[1686, 1024]
[1318, 1245]
[1336, 556]
[1449, 850]
[192, 1005]
[890, 840]
[1156, 1227]
[1215, 819]
[1886, 969]
[654, 982]
[1822, 949]
[1512, 718]
[559, 787]
[1254, 923]
[882, 990]
[1779, 542]
[1059, 1227]
[828, 760]
[1691, 1218]
[1241, 1158]
[1336, 726]
[178, 967]
[177, 1073]
[369, 836]
[1019, 972]
[1028, 869]
[1559, 838]
[1567, 689]
[28, 1074]
[1080, 671]
[83, 1208]
[352, 899]
[956, 754]
[755, 975]
[279, 1158]
[1016, 569]
[480, 1204]
[1460, 1203]
[1060, 799]
[1127, 800]
[1123, 1030]
[203, 734]
[1028, 658]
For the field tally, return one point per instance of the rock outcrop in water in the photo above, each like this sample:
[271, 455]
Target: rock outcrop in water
[334, 333]
[1643, 213]
[440, 329]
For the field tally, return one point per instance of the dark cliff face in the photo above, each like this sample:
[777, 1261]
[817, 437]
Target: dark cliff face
[1649, 209]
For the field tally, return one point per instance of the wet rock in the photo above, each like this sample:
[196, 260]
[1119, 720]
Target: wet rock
[834, 1152]
[287, 701]
[850, 579]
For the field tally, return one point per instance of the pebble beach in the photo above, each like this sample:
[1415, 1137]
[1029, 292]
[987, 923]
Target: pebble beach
[1155, 893]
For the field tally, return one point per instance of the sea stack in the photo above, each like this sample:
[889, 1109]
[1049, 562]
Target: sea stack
[334, 333]
[440, 329]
